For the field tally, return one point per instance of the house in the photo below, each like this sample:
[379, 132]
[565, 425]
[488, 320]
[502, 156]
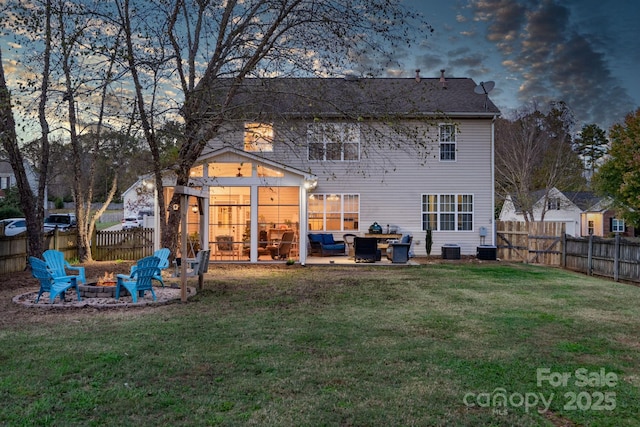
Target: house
[583, 212]
[336, 155]
[8, 177]
[139, 198]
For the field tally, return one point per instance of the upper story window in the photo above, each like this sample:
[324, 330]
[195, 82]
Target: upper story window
[258, 137]
[447, 143]
[333, 141]
[553, 204]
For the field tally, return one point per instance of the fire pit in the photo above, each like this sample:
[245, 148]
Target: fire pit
[103, 287]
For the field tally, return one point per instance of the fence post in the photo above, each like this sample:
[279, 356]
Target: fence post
[94, 241]
[564, 250]
[590, 256]
[616, 259]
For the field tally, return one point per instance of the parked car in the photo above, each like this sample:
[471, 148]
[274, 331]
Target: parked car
[130, 222]
[142, 215]
[14, 226]
[62, 222]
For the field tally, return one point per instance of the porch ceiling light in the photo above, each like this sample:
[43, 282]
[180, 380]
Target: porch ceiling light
[310, 183]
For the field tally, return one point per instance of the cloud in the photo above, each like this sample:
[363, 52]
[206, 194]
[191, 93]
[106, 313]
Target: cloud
[554, 60]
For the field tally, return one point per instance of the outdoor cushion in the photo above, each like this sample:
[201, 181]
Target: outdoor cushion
[334, 247]
[316, 238]
[327, 239]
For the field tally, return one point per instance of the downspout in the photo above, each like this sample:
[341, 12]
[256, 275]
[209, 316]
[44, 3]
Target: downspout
[493, 181]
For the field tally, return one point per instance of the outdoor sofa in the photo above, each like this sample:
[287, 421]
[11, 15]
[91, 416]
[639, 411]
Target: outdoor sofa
[323, 244]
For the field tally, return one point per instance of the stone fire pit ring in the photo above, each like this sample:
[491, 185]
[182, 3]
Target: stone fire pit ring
[103, 297]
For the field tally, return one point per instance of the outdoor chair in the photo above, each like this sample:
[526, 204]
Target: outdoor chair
[398, 252]
[282, 249]
[55, 286]
[195, 266]
[348, 240]
[262, 245]
[366, 249]
[225, 247]
[163, 255]
[58, 266]
[140, 280]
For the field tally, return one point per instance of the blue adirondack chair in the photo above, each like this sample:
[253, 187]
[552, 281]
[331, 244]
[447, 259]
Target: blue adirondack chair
[163, 255]
[140, 280]
[48, 283]
[58, 266]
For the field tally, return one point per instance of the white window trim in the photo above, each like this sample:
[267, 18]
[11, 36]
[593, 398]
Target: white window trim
[616, 223]
[342, 212]
[457, 211]
[454, 142]
[311, 131]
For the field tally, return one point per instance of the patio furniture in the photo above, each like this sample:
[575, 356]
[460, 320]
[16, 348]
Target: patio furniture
[163, 255]
[58, 266]
[195, 266]
[322, 244]
[398, 251]
[348, 240]
[225, 247]
[263, 243]
[48, 283]
[366, 249]
[282, 249]
[140, 280]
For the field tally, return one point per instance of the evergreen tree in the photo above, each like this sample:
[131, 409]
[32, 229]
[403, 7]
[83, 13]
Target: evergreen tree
[592, 145]
[619, 176]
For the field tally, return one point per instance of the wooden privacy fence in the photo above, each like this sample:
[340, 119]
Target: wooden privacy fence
[532, 242]
[124, 244]
[616, 258]
[105, 246]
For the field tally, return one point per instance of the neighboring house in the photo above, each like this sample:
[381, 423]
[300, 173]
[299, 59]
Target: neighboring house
[337, 155]
[139, 197]
[8, 177]
[583, 212]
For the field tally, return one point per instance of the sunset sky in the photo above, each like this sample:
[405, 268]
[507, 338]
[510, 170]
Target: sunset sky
[583, 52]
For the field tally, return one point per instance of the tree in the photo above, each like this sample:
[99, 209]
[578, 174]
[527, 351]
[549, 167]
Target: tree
[80, 100]
[534, 152]
[206, 42]
[619, 175]
[592, 145]
[32, 205]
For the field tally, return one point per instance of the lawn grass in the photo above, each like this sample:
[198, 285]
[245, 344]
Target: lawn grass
[310, 346]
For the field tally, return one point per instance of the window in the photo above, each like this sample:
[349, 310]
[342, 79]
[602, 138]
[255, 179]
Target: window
[553, 204]
[333, 141]
[617, 225]
[258, 137]
[447, 212]
[334, 212]
[591, 227]
[447, 143]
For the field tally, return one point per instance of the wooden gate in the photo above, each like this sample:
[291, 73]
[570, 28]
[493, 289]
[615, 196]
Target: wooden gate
[533, 242]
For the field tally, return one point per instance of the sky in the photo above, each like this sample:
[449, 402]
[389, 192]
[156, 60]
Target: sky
[583, 52]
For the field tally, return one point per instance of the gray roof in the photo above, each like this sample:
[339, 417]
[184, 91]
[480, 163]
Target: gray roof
[365, 97]
[585, 200]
